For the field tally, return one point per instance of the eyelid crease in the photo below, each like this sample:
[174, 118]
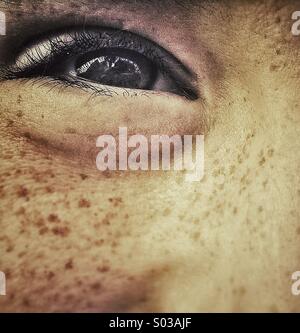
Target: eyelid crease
[44, 50]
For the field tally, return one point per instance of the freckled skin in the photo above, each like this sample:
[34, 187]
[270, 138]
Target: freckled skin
[73, 239]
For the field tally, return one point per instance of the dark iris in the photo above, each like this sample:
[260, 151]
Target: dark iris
[117, 67]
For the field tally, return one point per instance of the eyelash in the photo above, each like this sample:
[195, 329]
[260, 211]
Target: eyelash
[77, 42]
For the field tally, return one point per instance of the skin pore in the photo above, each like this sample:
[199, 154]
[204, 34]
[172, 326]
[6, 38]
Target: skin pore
[75, 239]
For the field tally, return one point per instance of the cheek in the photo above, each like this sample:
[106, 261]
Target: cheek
[65, 237]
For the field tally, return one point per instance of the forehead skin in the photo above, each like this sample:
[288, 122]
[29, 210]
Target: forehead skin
[73, 240]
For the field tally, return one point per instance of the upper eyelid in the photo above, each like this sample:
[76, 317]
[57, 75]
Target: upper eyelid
[131, 40]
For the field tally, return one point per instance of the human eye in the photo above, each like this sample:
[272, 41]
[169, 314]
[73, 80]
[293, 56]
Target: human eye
[101, 59]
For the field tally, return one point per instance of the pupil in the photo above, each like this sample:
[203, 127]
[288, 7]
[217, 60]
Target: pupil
[131, 71]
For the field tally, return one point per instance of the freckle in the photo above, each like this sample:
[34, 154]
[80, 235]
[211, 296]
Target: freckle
[99, 242]
[10, 249]
[115, 201]
[219, 206]
[83, 176]
[106, 174]
[22, 192]
[248, 137]
[107, 218]
[27, 135]
[167, 212]
[97, 225]
[21, 211]
[70, 130]
[114, 244]
[9, 123]
[55, 297]
[21, 254]
[49, 189]
[196, 236]
[235, 210]
[43, 231]
[83, 203]
[243, 179]
[26, 302]
[69, 298]
[69, 264]
[53, 218]
[40, 255]
[63, 232]
[96, 286]
[103, 269]
[262, 161]
[40, 223]
[274, 68]
[298, 231]
[260, 209]
[50, 275]
[277, 19]
[8, 273]
[20, 114]
[79, 283]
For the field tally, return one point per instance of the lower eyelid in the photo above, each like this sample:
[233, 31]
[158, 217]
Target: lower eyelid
[71, 122]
